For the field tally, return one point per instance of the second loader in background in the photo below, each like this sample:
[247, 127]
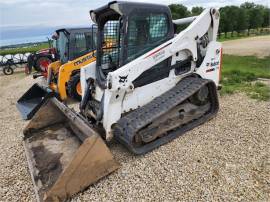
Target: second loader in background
[75, 48]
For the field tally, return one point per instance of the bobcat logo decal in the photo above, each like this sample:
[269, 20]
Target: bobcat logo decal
[122, 79]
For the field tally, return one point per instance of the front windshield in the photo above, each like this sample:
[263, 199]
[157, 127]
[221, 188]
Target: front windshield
[110, 46]
[54, 43]
[62, 47]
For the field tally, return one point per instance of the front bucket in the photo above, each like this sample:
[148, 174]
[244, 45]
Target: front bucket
[64, 154]
[32, 100]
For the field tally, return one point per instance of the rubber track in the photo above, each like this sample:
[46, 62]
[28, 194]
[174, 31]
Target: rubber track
[127, 127]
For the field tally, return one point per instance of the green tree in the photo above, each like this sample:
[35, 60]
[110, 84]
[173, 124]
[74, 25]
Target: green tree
[248, 5]
[266, 17]
[196, 10]
[242, 21]
[179, 11]
[226, 24]
[255, 15]
[233, 16]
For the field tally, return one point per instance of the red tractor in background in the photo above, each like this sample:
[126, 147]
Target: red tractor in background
[41, 59]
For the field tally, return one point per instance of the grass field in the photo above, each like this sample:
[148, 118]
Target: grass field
[28, 49]
[241, 73]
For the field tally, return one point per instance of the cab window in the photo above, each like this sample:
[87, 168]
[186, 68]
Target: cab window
[146, 31]
[83, 43]
[62, 47]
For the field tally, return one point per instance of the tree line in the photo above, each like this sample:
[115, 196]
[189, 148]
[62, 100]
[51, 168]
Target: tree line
[233, 19]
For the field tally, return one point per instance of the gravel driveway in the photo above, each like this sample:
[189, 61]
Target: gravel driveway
[226, 159]
[258, 46]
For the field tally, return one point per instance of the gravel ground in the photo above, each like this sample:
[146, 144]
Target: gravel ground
[226, 159]
[258, 46]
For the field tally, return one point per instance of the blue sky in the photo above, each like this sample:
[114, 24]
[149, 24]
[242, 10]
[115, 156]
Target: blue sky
[40, 14]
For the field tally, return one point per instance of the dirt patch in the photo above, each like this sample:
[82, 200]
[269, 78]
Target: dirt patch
[46, 163]
[257, 46]
[262, 80]
[51, 150]
[7, 80]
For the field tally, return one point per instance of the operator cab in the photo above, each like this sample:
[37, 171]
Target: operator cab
[127, 30]
[71, 43]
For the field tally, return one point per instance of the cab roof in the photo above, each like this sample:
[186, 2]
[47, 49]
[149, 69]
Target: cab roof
[116, 8]
[71, 30]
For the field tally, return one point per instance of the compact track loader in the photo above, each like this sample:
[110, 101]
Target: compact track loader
[74, 49]
[147, 88]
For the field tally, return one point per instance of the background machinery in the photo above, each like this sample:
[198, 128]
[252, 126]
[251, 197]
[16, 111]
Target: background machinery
[40, 60]
[147, 88]
[10, 62]
[74, 48]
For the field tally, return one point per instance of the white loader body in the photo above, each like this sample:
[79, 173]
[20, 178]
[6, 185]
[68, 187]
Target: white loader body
[122, 97]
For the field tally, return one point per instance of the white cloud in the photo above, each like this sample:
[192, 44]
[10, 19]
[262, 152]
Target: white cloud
[69, 12]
